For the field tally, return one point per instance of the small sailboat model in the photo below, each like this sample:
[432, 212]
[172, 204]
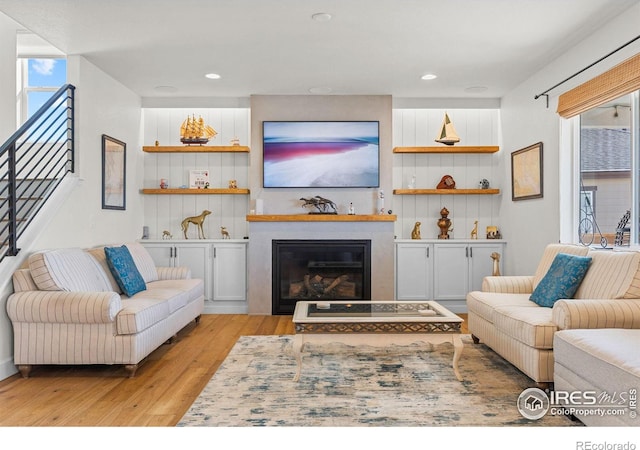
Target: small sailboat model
[447, 134]
[194, 131]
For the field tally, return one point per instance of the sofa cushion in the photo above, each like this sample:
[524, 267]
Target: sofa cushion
[610, 274]
[607, 358]
[531, 326]
[143, 261]
[561, 280]
[193, 287]
[484, 303]
[99, 255]
[174, 298]
[69, 269]
[549, 255]
[139, 313]
[124, 270]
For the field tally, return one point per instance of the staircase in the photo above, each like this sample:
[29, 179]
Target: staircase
[33, 162]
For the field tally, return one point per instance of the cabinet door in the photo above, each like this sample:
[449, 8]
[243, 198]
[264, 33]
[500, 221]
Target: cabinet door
[230, 271]
[162, 254]
[414, 271]
[481, 263]
[450, 271]
[197, 257]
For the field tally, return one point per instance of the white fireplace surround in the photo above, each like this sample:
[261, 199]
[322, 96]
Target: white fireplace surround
[262, 234]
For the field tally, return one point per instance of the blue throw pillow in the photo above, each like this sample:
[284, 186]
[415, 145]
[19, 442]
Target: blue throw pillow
[561, 280]
[124, 270]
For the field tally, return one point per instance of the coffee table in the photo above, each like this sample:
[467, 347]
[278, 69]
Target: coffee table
[375, 323]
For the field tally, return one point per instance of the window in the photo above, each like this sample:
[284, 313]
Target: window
[40, 78]
[607, 177]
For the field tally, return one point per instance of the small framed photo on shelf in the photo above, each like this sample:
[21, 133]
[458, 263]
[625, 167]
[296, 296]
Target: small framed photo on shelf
[198, 179]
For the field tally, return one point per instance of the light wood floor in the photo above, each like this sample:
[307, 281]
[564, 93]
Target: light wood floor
[163, 389]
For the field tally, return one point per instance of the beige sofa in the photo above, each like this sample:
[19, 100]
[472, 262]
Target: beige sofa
[67, 308]
[502, 316]
[604, 362]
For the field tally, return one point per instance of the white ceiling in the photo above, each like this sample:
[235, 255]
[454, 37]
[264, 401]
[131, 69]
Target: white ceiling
[274, 47]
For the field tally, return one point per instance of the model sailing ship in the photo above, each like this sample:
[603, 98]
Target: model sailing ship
[447, 134]
[194, 131]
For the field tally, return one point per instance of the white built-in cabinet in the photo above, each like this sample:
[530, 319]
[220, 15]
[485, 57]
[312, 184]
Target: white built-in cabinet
[221, 264]
[443, 270]
[414, 271]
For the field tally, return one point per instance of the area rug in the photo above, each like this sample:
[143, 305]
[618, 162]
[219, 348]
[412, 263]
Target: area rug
[346, 386]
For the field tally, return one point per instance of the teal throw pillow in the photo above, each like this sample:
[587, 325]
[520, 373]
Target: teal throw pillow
[124, 270]
[561, 280]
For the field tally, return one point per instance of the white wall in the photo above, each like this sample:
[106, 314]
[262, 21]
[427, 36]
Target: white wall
[8, 76]
[531, 224]
[103, 105]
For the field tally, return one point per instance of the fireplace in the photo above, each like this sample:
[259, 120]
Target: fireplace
[319, 270]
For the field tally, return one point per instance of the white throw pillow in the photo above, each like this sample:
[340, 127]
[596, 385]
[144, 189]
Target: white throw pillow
[69, 269]
[143, 261]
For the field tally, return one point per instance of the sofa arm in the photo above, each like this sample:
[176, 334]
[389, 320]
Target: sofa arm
[173, 273]
[63, 307]
[596, 313]
[508, 284]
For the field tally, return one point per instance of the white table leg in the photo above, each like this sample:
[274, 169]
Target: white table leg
[298, 343]
[457, 352]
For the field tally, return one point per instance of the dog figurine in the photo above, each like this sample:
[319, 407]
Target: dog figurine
[196, 220]
[225, 233]
[415, 234]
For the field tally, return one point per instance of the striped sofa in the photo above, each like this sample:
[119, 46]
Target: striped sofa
[502, 316]
[68, 309]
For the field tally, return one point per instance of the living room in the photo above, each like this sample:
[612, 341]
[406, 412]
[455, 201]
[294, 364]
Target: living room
[513, 121]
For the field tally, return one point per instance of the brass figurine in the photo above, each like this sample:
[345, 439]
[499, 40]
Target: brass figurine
[166, 235]
[496, 264]
[474, 232]
[196, 220]
[415, 234]
[225, 233]
[444, 223]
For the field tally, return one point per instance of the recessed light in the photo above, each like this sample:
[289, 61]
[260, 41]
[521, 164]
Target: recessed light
[320, 90]
[321, 17]
[429, 76]
[213, 76]
[476, 89]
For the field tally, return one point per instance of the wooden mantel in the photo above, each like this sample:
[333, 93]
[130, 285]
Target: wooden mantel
[321, 218]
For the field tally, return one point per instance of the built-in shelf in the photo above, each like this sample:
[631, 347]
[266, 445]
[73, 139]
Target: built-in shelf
[210, 191]
[451, 149]
[196, 149]
[321, 218]
[446, 191]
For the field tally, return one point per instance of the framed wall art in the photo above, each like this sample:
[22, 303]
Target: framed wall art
[114, 159]
[526, 173]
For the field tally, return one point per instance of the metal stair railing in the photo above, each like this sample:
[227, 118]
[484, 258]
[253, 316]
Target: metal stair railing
[33, 162]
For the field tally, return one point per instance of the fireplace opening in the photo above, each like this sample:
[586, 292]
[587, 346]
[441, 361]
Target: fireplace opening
[319, 270]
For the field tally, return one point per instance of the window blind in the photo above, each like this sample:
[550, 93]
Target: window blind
[616, 82]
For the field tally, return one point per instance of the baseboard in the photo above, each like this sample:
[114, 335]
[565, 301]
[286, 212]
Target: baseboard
[7, 368]
[225, 308]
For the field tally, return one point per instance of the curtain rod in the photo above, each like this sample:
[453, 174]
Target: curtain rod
[545, 93]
